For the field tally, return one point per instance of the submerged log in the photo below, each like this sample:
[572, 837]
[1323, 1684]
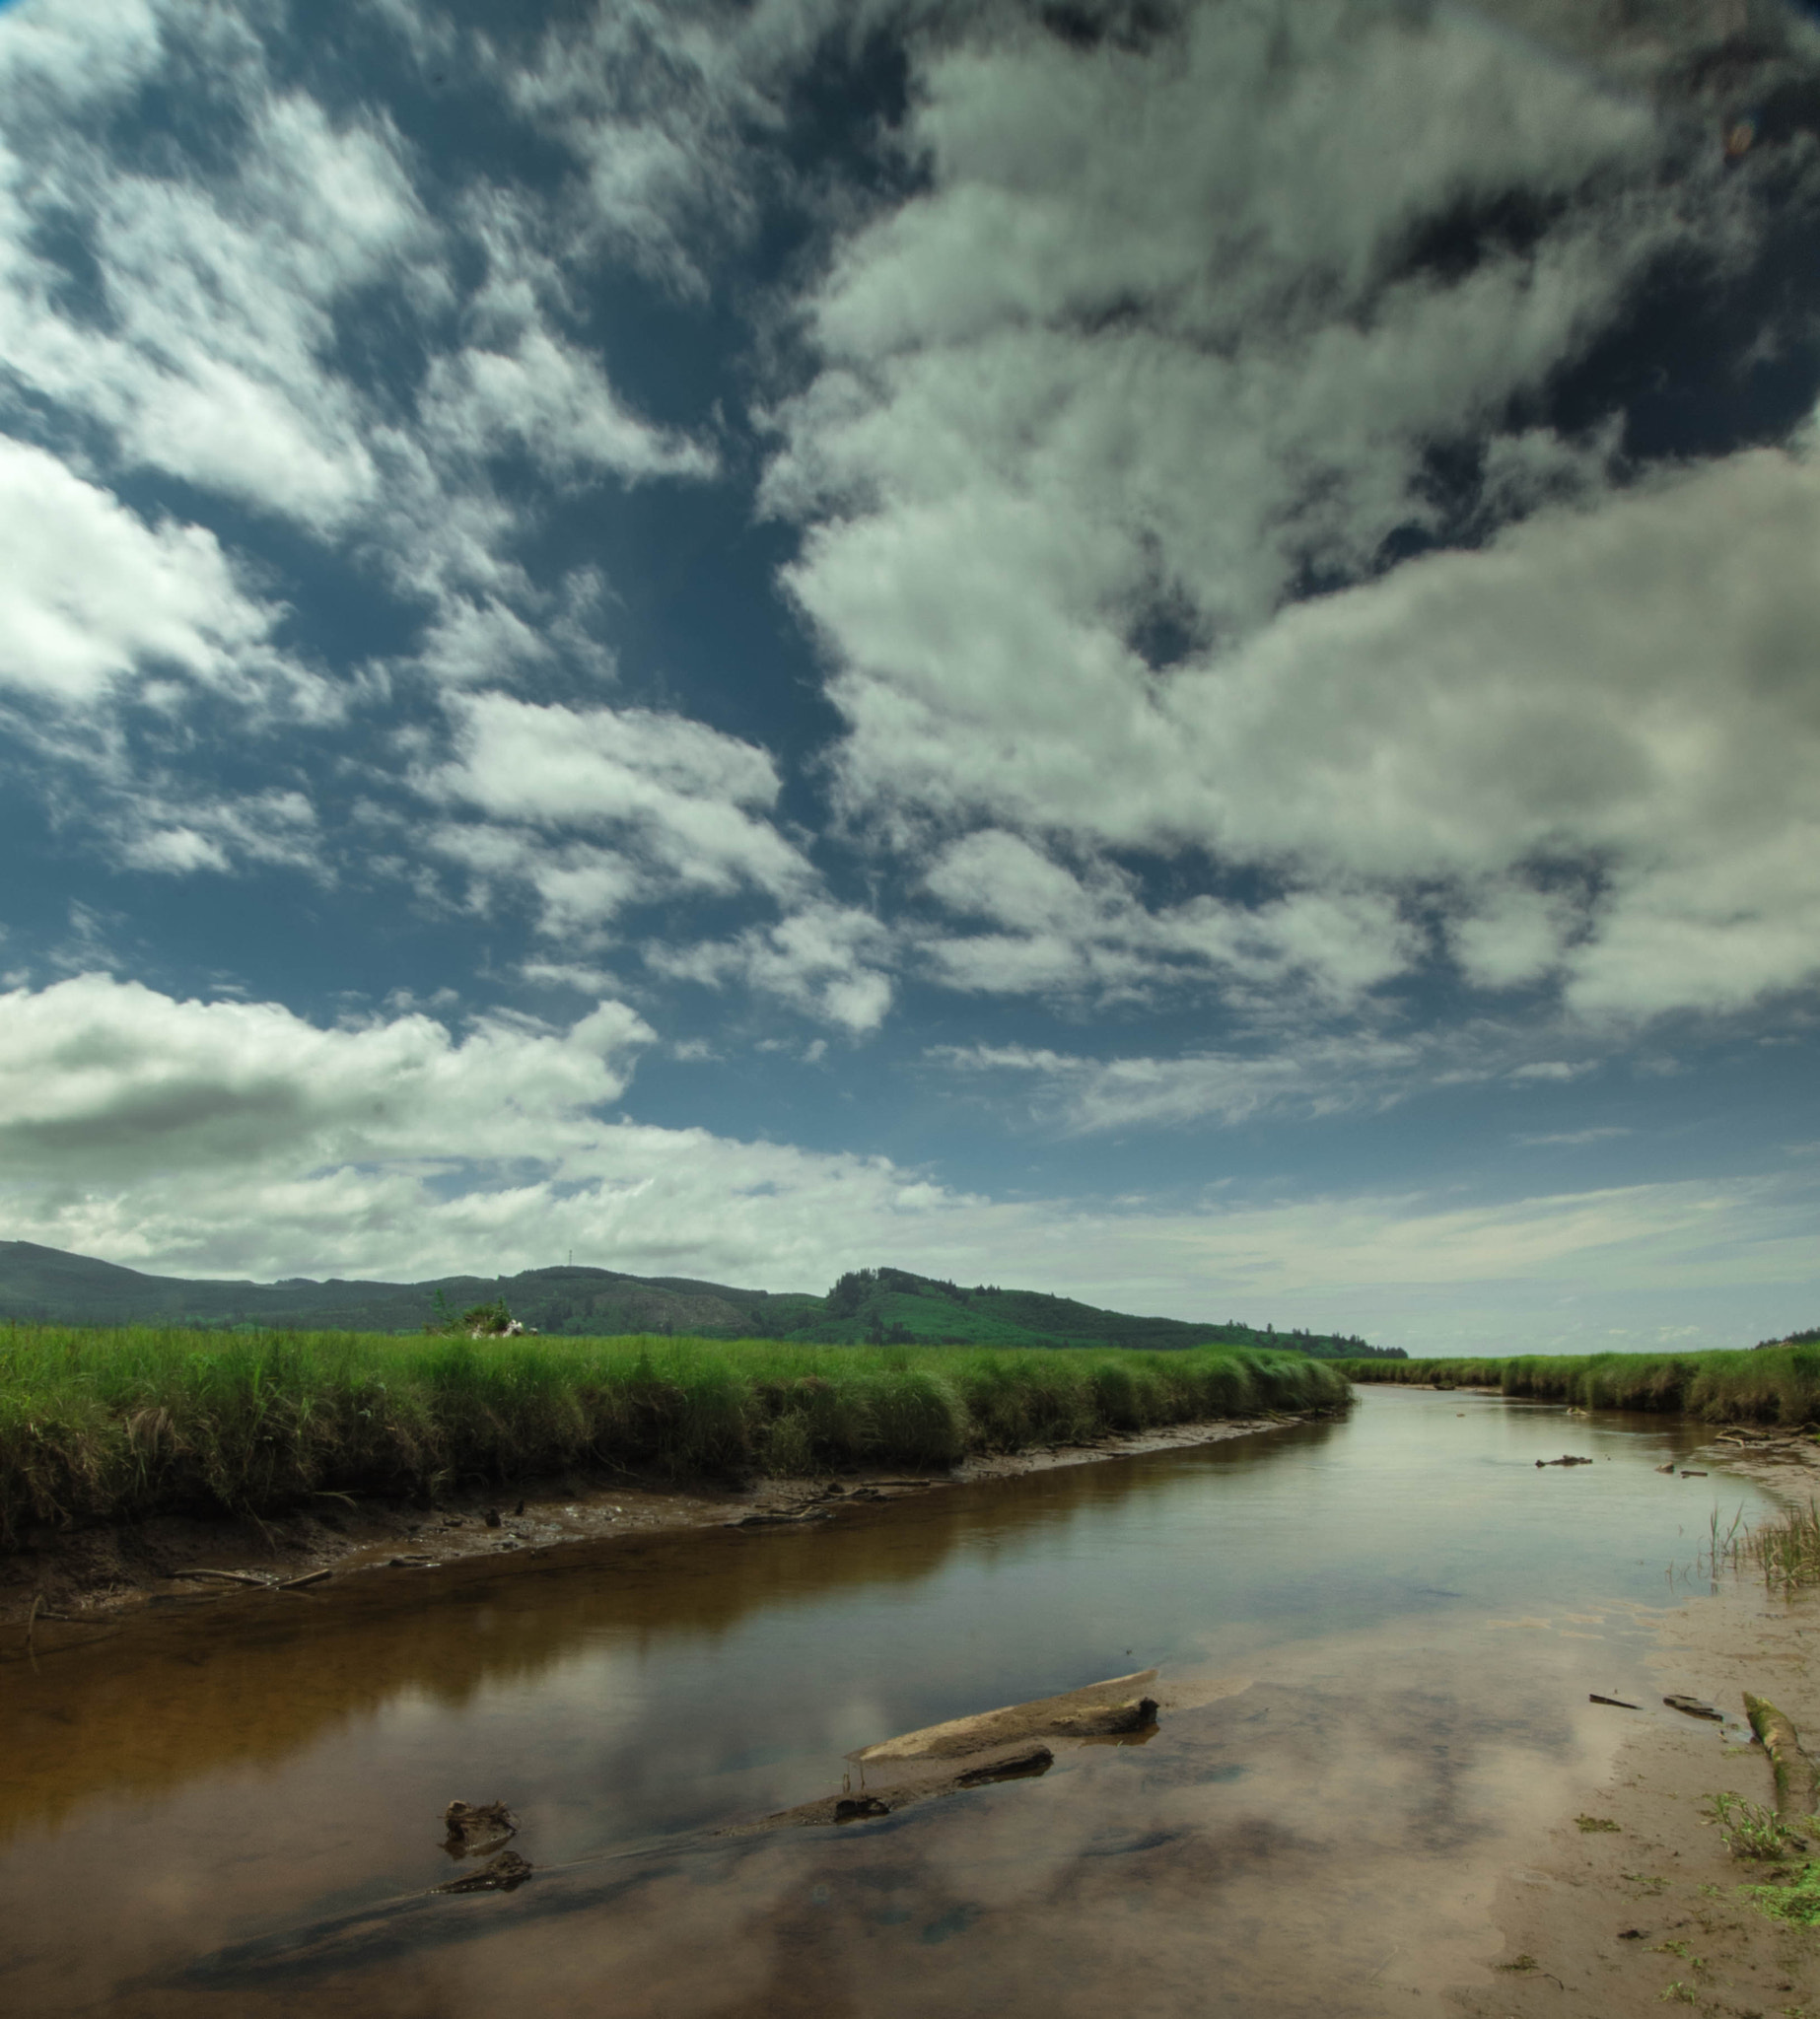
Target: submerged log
[500, 1876]
[1100, 1709]
[1794, 1774]
[1021, 1764]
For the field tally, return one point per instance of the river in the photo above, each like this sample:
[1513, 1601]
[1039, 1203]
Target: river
[1376, 1640]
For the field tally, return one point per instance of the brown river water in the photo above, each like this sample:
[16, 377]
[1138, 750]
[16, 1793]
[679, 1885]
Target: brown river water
[1375, 1640]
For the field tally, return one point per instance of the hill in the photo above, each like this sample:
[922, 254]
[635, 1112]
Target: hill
[875, 1306]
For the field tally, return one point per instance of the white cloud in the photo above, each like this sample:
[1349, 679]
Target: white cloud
[276, 827]
[77, 50]
[1090, 933]
[1147, 348]
[684, 802]
[554, 402]
[681, 810]
[241, 1135]
[237, 1138]
[102, 1080]
[210, 359]
[660, 102]
[1307, 1076]
[96, 596]
[825, 959]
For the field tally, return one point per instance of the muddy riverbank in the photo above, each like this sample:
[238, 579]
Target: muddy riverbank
[64, 1582]
[1632, 1900]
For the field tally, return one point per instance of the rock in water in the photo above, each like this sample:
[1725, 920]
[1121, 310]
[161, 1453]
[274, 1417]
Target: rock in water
[473, 1829]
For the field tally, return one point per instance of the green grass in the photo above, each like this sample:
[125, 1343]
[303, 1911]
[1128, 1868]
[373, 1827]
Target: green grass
[1779, 1385]
[120, 1424]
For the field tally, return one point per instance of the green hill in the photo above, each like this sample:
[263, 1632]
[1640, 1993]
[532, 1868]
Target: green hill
[877, 1306]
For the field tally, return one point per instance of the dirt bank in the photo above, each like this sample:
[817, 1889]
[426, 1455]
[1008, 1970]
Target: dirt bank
[71, 1577]
[1634, 1903]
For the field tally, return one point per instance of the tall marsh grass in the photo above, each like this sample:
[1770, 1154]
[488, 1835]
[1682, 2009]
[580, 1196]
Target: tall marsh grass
[105, 1424]
[1778, 1385]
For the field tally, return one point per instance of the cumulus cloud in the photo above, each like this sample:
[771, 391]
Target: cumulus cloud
[601, 810]
[241, 1135]
[1170, 338]
[1090, 933]
[104, 1077]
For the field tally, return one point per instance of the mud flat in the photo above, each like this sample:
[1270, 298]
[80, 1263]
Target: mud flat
[65, 1583]
[1633, 1904]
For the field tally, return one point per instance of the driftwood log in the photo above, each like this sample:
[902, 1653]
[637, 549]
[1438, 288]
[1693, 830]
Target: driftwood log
[1100, 1710]
[1020, 1763]
[1794, 1772]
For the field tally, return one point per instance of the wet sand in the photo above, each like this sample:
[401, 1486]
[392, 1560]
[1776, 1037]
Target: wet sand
[1650, 1913]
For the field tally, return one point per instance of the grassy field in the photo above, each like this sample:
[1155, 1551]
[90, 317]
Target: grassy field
[105, 1424]
[1778, 1385]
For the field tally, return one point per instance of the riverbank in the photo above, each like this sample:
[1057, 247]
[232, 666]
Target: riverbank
[65, 1583]
[1772, 1385]
[104, 1426]
[1635, 1902]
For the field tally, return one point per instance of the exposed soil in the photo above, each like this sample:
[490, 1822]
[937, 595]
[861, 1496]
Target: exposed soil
[64, 1582]
[1634, 1903]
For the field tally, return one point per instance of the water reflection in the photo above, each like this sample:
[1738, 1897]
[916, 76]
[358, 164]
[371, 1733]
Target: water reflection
[1376, 1640]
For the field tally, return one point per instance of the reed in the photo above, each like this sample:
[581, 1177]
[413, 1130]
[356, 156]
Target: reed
[1774, 1385]
[106, 1424]
[1785, 1548]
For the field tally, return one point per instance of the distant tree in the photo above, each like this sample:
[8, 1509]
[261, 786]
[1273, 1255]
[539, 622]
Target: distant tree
[852, 1293]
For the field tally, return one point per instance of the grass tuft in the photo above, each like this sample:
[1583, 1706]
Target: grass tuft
[1785, 1548]
[109, 1425]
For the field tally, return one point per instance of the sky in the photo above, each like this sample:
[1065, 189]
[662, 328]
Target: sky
[1167, 652]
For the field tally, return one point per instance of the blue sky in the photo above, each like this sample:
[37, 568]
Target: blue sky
[1165, 652]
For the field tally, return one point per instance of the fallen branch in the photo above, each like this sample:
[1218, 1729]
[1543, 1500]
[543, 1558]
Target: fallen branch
[308, 1577]
[229, 1577]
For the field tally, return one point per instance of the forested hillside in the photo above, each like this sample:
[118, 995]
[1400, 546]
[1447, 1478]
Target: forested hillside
[877, 1306]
